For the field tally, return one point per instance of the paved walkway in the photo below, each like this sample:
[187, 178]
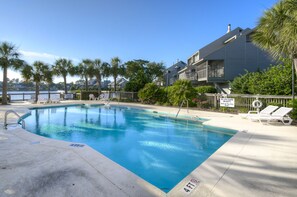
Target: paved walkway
[260, 160]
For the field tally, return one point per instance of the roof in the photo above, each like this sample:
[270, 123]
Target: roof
[220, 42]
[119, 81]
[180, 64]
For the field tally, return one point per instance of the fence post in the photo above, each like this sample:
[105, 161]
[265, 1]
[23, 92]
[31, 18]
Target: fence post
[133, 96]
[23, 96]
[215, 100]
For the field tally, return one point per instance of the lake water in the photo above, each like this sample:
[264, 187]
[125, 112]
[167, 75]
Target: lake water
[26, 95]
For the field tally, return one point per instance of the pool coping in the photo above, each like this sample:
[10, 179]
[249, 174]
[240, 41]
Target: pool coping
[102, 164]
[204, 183]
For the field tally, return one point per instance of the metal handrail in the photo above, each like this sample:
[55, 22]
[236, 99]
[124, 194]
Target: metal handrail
[181, 107]
[5, 118]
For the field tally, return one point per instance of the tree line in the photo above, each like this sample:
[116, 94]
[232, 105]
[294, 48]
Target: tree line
[139, 72]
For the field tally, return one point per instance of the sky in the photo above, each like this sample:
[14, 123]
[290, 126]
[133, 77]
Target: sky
[155, 30]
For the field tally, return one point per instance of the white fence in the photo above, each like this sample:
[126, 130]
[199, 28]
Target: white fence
[245, 100]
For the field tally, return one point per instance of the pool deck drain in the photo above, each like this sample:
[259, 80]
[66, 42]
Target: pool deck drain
[261, 161]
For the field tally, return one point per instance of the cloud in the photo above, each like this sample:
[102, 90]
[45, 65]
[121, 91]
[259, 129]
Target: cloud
[32, 56]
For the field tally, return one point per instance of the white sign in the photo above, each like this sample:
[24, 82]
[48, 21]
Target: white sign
[227, 102]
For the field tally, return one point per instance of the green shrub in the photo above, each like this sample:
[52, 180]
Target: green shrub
[85, 94]
[201, 101]
[167, 104]
[128, 100]
[77, 96]
[242, 110]
[151, 94]
[180, 91]
[293, 104]
[271, 81]
[205, 89]
[228, 110]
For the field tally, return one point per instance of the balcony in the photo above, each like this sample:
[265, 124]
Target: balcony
[191, 76]
[202, 75]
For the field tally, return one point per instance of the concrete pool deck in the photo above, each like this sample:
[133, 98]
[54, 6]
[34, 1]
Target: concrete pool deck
[260, 160]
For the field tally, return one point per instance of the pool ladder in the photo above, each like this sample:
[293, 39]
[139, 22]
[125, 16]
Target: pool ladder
[13, 112]
[181, 105]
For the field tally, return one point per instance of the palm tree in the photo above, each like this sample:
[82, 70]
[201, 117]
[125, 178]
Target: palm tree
[276, 31]
[86, 69]
[116, 69]
[101, 69]
[8, 59]
[63, 67]
[48, 79]
[98, 69]
[36, 73]
[105, 69]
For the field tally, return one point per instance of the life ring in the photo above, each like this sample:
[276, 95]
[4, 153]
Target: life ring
[257, 104]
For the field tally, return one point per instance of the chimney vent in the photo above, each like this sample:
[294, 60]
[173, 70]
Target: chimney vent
[229, 28]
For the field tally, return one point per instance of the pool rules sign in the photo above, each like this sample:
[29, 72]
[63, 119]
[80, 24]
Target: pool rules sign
[227, 102]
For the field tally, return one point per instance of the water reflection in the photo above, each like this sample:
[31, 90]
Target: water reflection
[160, 150]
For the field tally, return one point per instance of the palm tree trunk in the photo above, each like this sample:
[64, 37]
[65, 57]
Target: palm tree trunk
[295, 64]
[48, 91]
[99, 84]
[115, 83]
[87, 85]
[36, 91]
[65, 84]
[293, 77]
[4, 88]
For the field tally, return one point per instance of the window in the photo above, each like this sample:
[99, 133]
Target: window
[216, 69]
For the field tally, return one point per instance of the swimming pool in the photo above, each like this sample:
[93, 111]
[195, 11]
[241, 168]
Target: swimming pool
[160, 150]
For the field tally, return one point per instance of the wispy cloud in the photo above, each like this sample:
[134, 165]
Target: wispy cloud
[32, 56]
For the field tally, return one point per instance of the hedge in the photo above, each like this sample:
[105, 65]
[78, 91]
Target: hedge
[205, 89]
[85, 94]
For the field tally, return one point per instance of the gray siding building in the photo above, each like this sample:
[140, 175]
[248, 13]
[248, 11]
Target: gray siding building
[226, 58]
[171, 73]
[121, 83]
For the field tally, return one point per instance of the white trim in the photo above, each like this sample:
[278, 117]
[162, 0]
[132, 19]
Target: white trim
[230, 39]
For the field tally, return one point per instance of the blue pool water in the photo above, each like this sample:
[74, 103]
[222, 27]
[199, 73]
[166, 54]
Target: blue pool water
[160, 150]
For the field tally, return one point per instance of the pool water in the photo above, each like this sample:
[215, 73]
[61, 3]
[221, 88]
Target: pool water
[160, 150]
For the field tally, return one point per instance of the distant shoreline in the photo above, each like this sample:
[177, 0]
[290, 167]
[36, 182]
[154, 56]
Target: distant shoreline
[27, 95]
[30, 91]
